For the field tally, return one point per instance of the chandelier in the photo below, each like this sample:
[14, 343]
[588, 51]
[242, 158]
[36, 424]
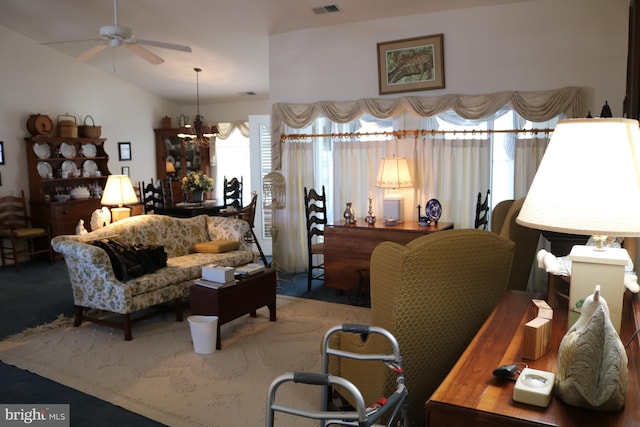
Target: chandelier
[198, 134]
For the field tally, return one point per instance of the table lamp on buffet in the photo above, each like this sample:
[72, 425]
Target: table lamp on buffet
[119, 192]
[393, 173]
[589, 183]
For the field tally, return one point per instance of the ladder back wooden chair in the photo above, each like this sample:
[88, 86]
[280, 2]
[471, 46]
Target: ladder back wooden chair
[153, 198]
[17, 230]
[482, 212]
[315, 206]
[233, 192]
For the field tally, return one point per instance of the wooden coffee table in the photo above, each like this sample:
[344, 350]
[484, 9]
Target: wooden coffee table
[229, 303]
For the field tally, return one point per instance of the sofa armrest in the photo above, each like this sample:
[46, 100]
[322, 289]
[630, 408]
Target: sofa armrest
[226, 228]
[90, 273]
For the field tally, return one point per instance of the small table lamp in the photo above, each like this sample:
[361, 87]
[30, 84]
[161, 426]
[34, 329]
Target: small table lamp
[589, 183]
[119, 192]
[393, 174]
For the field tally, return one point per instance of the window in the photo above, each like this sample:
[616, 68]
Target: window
[232, 160]
[506, 166]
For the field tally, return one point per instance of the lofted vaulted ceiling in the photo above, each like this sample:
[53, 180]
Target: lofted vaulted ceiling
[229, 39]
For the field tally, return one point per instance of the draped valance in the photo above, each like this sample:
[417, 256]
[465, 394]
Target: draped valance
[225, 129]
[535, 106]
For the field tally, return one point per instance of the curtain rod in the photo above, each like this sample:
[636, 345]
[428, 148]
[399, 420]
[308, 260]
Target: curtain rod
[403, 133]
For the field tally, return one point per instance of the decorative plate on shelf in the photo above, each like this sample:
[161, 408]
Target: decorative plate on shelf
[44, 169]
[433, 210]
[90, 166]
[89, 150]
[42, 150]
[170, 159]
[70, 167]
[67, 150]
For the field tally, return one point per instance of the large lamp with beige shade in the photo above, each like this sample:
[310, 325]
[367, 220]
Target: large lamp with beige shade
[119, 192]
[589, 183]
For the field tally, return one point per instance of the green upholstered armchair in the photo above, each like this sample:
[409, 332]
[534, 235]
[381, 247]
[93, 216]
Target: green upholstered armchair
[433, 295]
[503, 222]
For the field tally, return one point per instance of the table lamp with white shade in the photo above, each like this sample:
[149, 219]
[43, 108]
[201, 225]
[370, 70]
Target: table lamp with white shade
[119, 192]
[589, 183]
[393, 173]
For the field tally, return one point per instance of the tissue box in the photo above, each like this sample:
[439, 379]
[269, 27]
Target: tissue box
[218, 274]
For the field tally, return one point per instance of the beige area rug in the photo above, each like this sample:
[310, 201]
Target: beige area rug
[158, 375]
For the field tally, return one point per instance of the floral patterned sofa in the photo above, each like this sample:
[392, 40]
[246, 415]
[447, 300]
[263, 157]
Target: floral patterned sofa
[95, 285]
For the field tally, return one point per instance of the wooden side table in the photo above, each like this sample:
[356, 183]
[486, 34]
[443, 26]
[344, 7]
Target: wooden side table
[471, 395]
[229, 303]
[348, 248]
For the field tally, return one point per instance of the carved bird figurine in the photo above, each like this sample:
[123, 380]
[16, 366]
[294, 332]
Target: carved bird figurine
[100, 218]
[80, 227]
[592, 362]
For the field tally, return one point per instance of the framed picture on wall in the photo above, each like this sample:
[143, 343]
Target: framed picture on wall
[126, 171]
[411, 64]
[124, 151]
[1, 152]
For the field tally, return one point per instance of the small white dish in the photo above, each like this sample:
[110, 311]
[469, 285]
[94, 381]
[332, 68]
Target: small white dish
[68, 150]
[61, 197]
[44, 170]
[42, 150]
[89, 150]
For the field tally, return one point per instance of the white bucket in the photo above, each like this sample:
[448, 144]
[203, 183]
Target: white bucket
[204, 332]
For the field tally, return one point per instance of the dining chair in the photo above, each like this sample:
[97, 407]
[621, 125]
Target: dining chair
[233, 192]
[248, 214]
[315, 206]
[153, 197]
[17, 230]
[482, 211]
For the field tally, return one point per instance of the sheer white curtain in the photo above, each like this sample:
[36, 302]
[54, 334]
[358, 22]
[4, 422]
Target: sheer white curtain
[291, 249]
[463, 169]
[355, 167]
[528, 155]
[452, 169]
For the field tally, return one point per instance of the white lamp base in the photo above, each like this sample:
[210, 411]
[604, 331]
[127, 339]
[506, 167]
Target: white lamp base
[119, 213]
[393, 209]
[591, 267]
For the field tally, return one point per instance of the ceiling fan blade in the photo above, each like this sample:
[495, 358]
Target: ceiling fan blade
[145, 54]
[163, 45]
[88, 54]
[71, 41]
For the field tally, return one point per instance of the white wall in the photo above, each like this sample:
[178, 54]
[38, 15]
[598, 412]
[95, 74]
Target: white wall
[537, 45]
[37, 79]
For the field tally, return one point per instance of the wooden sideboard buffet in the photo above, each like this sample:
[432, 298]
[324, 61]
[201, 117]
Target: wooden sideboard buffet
[348, 248]
[47, 157]
[471, 396]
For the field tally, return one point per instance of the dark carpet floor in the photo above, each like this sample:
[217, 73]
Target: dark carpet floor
[40, 292]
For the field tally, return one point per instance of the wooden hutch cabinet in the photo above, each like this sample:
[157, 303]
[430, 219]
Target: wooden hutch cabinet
[184, 157]
[56, 167]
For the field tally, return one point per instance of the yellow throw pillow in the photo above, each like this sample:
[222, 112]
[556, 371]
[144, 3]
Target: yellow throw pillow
[217, 246]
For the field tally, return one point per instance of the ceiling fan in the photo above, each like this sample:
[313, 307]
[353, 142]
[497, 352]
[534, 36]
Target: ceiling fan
[116, 36]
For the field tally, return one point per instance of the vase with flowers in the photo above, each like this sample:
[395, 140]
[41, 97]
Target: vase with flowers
[196, 183]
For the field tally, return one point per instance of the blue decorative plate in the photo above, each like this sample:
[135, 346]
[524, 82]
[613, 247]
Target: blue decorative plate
[433, 210]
